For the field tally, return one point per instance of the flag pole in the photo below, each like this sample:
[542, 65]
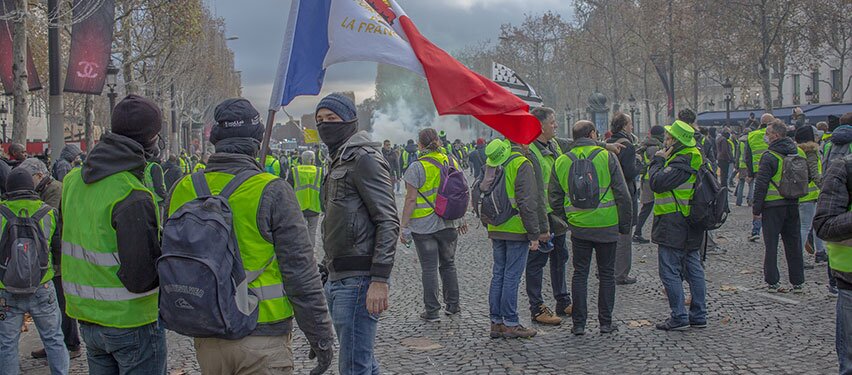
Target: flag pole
[267, 134]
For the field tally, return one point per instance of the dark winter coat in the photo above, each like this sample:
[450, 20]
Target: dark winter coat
[766, 169]
[672, 230]
[833, 220]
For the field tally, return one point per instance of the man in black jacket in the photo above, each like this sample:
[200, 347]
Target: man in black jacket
[622, 133]
[779, 215]
[360, 230]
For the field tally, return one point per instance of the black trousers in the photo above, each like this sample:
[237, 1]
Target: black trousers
[782, 221]
[647, 208]
[605, 258]
[726, 168]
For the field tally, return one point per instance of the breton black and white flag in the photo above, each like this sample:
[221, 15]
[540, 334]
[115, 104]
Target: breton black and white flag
[507, 78]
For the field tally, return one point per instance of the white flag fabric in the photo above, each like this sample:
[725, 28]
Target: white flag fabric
[507, 78]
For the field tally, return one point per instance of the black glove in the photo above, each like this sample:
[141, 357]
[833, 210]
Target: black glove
[324, 353]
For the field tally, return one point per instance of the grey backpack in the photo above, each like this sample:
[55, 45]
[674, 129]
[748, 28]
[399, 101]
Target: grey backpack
[203, 286]
[495, 207]
[24, 251]
[794, 176]
[584, 188]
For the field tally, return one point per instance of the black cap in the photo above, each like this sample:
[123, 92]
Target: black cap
[137, 118]
[19, 179]
[236, 118]
[805, 134]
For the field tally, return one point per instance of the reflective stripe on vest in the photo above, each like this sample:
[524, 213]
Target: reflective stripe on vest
[308, 180]
[257, 253]
[813, 189]
[90, 254]
[741, 159]
[27, 208]
[510, 173]
[677, 200]
[431, 183]
[606, 214]
[772, 193]
[840, 253]
[757, 146]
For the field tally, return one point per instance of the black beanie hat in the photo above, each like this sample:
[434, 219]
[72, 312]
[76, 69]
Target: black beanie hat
[657, 130]
[805, 134]
[137, 118]
[236, 118]
[19, 179]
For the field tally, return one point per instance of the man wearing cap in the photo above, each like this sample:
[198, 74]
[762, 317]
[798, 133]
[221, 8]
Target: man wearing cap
[673, 172]
[110, 243]
[266, 209]
[592, 229]
[306, 180]
[514, 239]
[779, 215]
[360, 230]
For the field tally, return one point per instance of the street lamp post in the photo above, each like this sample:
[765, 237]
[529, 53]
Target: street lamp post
[3, 112]
[632, 102]
[809, 95]
[729, 95]
[111, 82]
[567, 119]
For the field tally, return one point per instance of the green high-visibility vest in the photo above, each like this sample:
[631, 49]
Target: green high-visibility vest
[406, 158]
[423, 207]
[840, 254]
[741, 163]
[677, 200]
[148, 178]
[813, 189]
[758, 146]
[199, 167]
[90, 263]
[26, 208]
[255, 251]
[546, 165]
[272, 166]
[308, 181]
[510, 173]
[772, 193]
[606, 214]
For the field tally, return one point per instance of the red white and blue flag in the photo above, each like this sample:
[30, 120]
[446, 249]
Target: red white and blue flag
[322, 33]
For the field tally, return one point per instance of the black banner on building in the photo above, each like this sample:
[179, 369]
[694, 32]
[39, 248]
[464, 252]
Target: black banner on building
[6, 76]
[91, 45]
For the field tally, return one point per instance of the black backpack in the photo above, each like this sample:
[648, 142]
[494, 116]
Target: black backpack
[584, 188]
[491, 197]
[24, 252]
[794, 176]
[709, 205]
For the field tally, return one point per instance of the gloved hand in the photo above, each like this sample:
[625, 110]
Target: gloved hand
[324, 353]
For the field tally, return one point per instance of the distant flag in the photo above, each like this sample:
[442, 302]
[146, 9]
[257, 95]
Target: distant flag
[512, 81]
[321, 33]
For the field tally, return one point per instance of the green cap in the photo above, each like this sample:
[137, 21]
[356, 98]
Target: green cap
[682, 132]
[497, 152]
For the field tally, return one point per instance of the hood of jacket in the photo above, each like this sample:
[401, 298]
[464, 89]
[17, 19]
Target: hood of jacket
[784, 146]
[70, 152]
[652, 142]
[842, 135]
[809, 147]
[115, 153]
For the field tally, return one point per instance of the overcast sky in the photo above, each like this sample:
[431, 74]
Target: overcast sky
[450, 24]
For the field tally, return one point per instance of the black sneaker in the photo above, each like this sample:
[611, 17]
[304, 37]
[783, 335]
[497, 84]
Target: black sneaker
[669, 325]
[578, 330]
[430, 318]
[609, 328]
[626, 281]
[452, 310]
[640, 239]
[697, 324]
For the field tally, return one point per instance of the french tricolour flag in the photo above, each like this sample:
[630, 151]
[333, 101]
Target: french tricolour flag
[321, 33]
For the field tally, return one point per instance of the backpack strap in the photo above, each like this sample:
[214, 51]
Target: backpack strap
[199, 183]
[42, 212]
[7, 213]
[235, 183]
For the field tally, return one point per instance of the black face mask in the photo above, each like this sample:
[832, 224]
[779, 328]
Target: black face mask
[334, 134]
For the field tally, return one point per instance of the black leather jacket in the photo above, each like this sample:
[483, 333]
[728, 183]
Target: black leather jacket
[361, 224]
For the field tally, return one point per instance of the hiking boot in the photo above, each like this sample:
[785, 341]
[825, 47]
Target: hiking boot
[578, 330]
[626, 281]
[820, 257]
[669, 325]
[518, 332]
[547, 317]
[773, 288]
[497, 330]
[754, 238]
[798, 289]
[430, 318]
[39, 354]
[565, 311]
[609, 328]
[641, 240]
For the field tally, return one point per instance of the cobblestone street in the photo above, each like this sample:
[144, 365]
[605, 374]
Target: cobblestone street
[750, 331]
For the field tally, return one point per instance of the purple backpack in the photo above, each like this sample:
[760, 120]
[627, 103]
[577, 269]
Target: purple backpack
[453, 196]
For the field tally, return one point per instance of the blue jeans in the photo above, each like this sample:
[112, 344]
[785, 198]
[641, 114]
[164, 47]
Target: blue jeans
[807, 210]
[675, 266]
[535, 273]
[510, 259]
[843, 332]
[125, 351]
[741, 187]
[47, 316]
[354, 325]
